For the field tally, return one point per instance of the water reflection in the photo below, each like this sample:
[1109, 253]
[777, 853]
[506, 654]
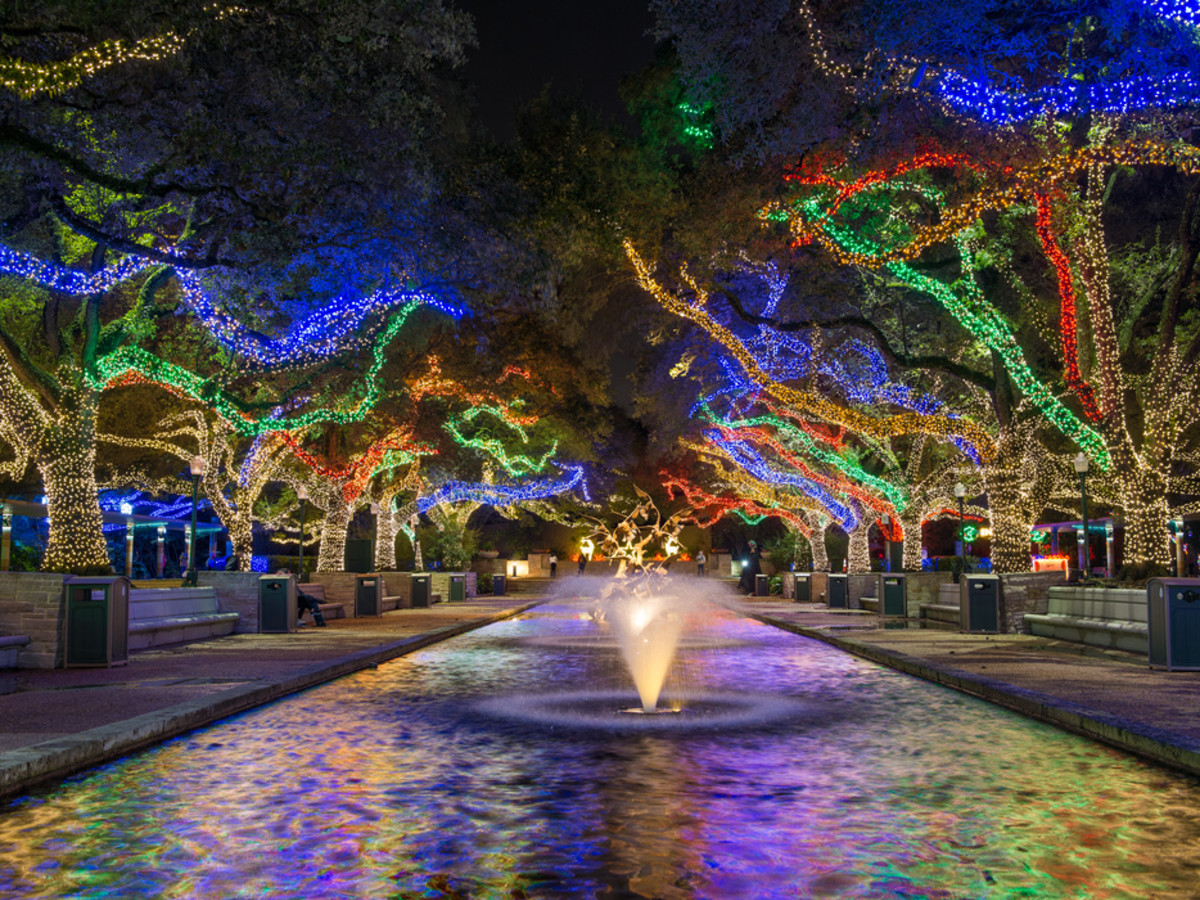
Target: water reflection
[392, 784]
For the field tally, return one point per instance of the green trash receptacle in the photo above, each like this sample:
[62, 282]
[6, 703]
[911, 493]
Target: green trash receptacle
[1173, 623]
[979, 603]
[420, 591]
[803, 588]
[499, 585]
[277, 613]
[893, 594]
[838, 591]
[97, 621]
[762, 585]
[368, 595]
[458, 588]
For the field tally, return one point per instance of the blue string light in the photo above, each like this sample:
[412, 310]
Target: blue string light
[501, 494]
[59, 278]
[749, 459]
[1066, 98]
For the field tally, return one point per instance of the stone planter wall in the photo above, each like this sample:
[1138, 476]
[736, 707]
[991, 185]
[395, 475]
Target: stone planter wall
[339, 588]
[923, 587]
[439, 583]
[818, 587]
[236, 592]
[1025, 592]
[31, 603]
[859, 586]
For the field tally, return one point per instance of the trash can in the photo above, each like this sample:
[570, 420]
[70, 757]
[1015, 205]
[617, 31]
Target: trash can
[1173, 620]
[979, 603]
[893, 594]
[837, 591]
[458, 588]
[420, 591]
[803, 588]
[498, 585]
[97, 621]
[368, 595]
[276, 604]
[762, 585]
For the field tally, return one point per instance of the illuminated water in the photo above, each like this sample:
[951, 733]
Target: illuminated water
[397, 783]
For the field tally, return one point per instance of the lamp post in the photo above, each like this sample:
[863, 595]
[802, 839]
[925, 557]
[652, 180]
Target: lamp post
[197, 466]
[885, 522]
[302, 495]
[960, 491]
[1081, 468]
[374, 533]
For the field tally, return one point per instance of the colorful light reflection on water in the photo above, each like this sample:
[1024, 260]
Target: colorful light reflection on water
[392, 784]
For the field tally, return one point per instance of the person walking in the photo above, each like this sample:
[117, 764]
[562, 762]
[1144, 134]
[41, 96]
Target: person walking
[553, 565]
[701, 559]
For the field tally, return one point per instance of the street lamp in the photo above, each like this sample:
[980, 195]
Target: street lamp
[374, 532]
[197, 466]
[886, 522]
[960, 491]
[302, 495]
[1081, 468]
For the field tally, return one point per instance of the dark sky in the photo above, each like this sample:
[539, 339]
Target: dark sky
[583, 48]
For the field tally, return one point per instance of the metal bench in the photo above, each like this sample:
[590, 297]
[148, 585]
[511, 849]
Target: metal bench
[1100, 617]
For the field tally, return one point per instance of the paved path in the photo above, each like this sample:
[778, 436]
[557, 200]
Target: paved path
[1111, 696]
[56, 722]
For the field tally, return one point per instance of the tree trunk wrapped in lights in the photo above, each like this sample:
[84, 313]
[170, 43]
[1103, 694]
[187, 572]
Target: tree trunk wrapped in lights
[820, 555]
[334, 528]
[858, 555]
[62, 443]
[66, 459]
[385, 538]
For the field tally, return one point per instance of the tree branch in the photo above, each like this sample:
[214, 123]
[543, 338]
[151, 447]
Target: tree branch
[896, 357]
[91, 230]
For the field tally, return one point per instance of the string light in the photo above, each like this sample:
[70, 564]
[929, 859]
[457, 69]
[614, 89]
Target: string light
[331, 330]
[55, 277]
[808, 401]
[700, 501]
[500, 494]
[29, 80]
[1067, 322]
[972, 310]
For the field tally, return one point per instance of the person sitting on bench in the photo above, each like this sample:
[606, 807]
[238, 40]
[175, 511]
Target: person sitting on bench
[306, 602]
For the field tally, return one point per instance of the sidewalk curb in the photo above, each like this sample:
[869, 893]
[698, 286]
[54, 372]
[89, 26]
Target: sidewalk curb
[27, 767]
[1162, 746]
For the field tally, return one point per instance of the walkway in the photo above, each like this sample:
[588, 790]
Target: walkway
[54, 722]
[1108, 695]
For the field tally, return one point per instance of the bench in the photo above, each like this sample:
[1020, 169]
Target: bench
[10, 649]
[160, 616]
[1114, 618]
[329, 609]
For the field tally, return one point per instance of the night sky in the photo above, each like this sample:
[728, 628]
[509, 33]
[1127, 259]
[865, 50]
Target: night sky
[581, 48]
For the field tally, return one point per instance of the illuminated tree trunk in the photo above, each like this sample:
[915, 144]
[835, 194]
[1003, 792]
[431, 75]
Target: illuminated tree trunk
[66, 460]
[241, 533]
[911, 523]
[332, 556]
[1010, 517]
[859, 554]
[385, 538]
[817, 541]
[1144, 500]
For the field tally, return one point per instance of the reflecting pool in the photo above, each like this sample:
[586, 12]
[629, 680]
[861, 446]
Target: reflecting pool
[442, 775]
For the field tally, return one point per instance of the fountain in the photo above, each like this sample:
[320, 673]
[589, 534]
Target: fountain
[645, 615]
